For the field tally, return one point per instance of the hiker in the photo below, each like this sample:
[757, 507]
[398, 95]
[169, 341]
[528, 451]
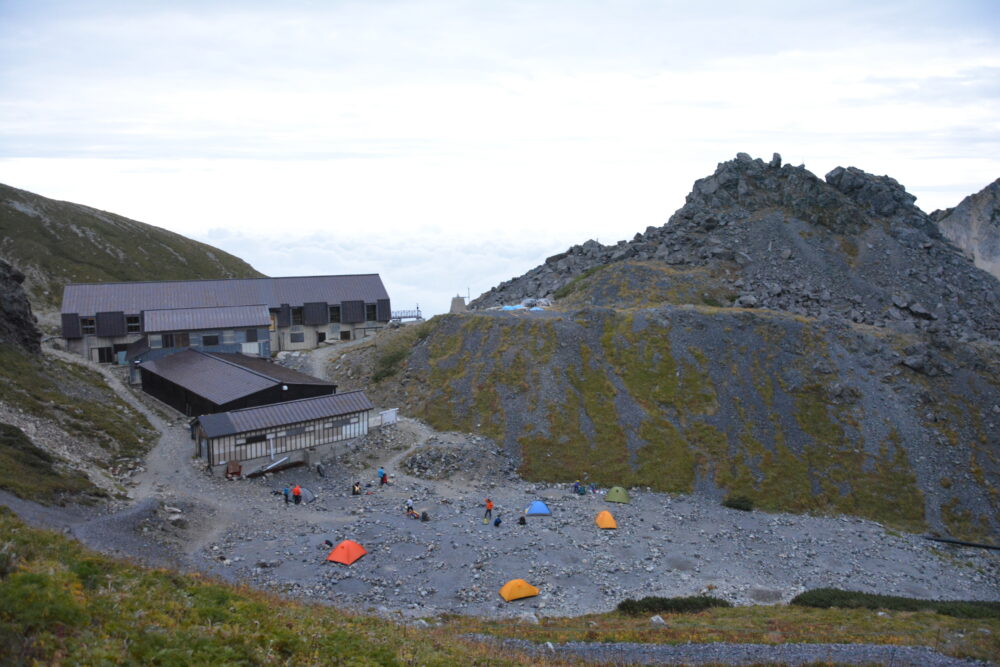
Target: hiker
[521, 521]
[381, 473]
[356, 489]
[496, 522]
[489, 510]
[286, 492]
[384, 479]
[409, 504]
[410, 512]
[576, 486]
[297, 494]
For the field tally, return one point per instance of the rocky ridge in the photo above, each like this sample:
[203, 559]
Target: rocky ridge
[974, 226]
[854, 246]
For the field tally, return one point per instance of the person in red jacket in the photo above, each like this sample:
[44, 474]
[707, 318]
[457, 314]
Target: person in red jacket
[297, 494]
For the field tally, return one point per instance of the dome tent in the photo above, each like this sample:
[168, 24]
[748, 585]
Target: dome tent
[605, 520]
[346, 552]
[617, 494]
[516, 589]
[538, 508]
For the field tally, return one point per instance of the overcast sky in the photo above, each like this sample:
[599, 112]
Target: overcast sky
[451, 145]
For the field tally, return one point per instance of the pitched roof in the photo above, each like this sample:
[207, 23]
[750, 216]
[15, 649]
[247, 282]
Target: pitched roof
[134, 297]
[193, 319]
[281, 414]
[221, 378]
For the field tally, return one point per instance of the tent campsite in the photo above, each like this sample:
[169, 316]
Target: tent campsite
[617, 494]
[346, 552]
[516, 589]
[538, 508]
[605, 520]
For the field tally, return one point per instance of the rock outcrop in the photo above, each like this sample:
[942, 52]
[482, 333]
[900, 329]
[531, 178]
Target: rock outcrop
[974, 226]
[852, 247]
[17, 324]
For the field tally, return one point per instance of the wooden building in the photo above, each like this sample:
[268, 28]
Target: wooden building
[113, 322]
[281, 429]
[199, 383]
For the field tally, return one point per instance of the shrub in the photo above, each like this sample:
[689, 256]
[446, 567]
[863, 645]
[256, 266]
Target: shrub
[36, 601]
[655, 605]
[738, 503]
[825, 598]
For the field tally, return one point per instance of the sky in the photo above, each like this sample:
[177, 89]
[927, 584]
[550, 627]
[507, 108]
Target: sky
[450, 145]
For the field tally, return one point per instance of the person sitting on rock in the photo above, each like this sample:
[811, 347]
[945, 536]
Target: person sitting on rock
[356, 489]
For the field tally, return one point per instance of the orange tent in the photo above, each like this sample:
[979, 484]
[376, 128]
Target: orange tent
[605, 520]
[346, 552]
[516, 589]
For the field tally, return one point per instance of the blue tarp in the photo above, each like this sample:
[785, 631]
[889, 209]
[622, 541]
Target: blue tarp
[538, 508]
[517, 307]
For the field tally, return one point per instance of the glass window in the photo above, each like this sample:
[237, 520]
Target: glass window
[88, 325]
[334, 313]
[210, 339]
[370, 312]
[297, 337]
[168, 340]
[296, 316]
[251, 335]
[132, 324]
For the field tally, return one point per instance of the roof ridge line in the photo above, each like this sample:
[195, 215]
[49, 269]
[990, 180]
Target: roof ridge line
[236, 365]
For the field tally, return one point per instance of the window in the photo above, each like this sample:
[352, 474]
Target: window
[274, 322]
[255, 438]
[132, 324]
[370, 314]
[210, 339]
[297, 337]
[105, 355]
[334, 314]
[175, 340]
[298, 430]
[251, 335]
[320, 336]
[296, 316]
[88, 325]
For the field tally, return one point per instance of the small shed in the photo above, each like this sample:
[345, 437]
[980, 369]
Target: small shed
[198, 383]
[277, 430]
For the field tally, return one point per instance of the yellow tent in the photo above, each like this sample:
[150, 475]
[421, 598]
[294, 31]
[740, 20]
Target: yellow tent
[605, 520]
[516, 589]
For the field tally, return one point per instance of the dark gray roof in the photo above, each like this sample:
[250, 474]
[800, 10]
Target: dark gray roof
[282, 414]
[194, 319]
[89, 298]
[222, 378]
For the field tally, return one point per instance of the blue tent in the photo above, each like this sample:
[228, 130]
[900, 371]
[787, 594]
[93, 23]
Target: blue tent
[538, 508]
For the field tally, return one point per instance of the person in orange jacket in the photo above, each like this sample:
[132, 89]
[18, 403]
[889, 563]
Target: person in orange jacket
[489, 510]
[297, 494]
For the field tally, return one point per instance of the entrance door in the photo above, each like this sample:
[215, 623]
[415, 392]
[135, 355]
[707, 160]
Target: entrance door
[320, 337]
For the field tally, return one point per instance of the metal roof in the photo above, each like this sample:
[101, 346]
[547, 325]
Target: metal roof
[283, 414]
[86, 299]
[221, 378]
[193, 319]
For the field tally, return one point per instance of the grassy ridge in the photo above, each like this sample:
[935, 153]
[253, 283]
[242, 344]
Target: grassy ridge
[32, 473]
[60, 603]
[56, 242]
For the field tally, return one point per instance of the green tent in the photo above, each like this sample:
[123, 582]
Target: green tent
[617, 494]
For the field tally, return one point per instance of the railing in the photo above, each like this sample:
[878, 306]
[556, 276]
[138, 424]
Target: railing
[400, 315]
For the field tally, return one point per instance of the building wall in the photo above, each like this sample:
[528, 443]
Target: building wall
[276, 442]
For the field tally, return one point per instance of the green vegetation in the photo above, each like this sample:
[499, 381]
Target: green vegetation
[61, 604]
[576, 283]
[31, 473]
[682, 605]
[741, 503]
[76, 399]
[73, 243]
[825, 598]
[644, 284]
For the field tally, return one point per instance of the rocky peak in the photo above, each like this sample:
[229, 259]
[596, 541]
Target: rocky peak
[880, 197]
[17, 324]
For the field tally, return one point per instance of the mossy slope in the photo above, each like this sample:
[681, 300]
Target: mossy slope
[780, 409]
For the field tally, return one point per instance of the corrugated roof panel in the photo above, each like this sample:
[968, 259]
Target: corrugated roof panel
[283, 414]
[193, 319]
[214, 379]
[270, 369]
[89, 298]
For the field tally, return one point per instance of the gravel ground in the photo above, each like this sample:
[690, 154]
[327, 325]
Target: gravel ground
[743, 654]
